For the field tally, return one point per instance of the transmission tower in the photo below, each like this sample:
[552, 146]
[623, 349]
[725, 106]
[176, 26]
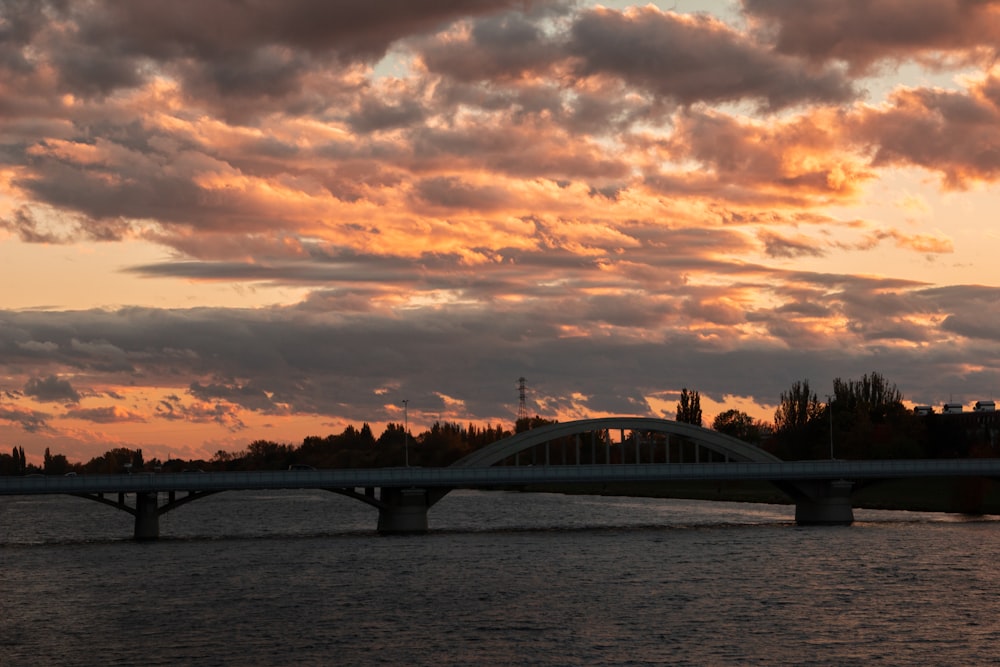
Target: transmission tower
[522, 409]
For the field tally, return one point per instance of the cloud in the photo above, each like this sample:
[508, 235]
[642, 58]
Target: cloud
[263, 48]
[105, 415]
[451, 192]
[243, 395]
[781, 246]
[510, 46]
[978, 318]
[796, 160]
[24, 224]
[51, 389]
[224, 414]
[696, 58]
[445, 197]
[955, 133]
[31, 421]
[609, 346]
[923, 243]
[863, 34]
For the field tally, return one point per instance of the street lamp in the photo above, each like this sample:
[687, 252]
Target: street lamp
[829, 407]
[406, 433]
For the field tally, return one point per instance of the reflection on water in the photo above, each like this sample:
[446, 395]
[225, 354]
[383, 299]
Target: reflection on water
[300, 578]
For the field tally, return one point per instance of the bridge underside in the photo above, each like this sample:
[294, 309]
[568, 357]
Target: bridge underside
[147, 509]
[400, 510]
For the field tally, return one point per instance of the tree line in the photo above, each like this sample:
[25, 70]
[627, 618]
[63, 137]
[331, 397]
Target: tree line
[862, 419]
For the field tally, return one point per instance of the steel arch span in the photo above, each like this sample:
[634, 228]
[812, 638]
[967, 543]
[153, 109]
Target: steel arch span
[729, 447]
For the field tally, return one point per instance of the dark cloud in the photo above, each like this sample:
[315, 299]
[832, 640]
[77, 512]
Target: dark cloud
[683, 58]
[222, 413]
[242, 60]
[616, 347]
[31, 421]
[22, 20]
[776, 245]
[864, 32]
[247, 396]
[104, 415]
[351, 29]
[375, 114]
[510, 46]
[343, 270]
[51, 389]
[981, 319]
[92, 70]
[696, 59]
[452, 192]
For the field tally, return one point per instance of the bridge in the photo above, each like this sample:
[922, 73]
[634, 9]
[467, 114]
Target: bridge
[579, 452]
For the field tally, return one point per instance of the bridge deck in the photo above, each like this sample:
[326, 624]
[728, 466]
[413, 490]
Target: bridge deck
[497, 476]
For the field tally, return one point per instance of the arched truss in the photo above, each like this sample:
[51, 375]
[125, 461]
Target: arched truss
[729, 447]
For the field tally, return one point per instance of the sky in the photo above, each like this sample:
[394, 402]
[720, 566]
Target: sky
[227, 221]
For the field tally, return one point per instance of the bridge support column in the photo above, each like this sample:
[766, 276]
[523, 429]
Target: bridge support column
[147, 516]
[403, 511]
[824, 503]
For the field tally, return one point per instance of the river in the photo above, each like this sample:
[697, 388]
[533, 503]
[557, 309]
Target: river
[301, 578]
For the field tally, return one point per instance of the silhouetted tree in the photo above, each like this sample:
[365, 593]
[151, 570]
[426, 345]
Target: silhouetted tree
[114, 461]
[441, 445]
[739, 425]
[264, 454]
[528, 423]
[55, 464]
[870, 420]
[872, 394]
[9, 466]
[20, 461]
[799, 431]
[365, 436]
[689, 407]
[797, 408]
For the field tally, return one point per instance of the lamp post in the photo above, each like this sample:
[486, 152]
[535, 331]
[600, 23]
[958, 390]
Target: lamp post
[406, 433]
[829, 407]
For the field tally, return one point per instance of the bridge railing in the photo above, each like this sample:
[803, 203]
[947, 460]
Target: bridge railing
[496, 476]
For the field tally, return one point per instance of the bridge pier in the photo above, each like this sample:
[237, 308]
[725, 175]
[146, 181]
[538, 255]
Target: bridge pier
[403, 511]
[824, 503]
[147, 516]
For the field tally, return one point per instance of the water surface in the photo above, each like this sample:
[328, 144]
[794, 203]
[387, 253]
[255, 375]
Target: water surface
[301, 578]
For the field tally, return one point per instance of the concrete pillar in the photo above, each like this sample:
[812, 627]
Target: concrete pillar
[403, 511]
[147, 516]
[826, 503]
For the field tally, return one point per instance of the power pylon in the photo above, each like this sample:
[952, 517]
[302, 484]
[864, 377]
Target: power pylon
[522, 408]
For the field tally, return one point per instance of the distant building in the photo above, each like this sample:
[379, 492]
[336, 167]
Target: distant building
[984, 406]
[922, 410]
[951, 408]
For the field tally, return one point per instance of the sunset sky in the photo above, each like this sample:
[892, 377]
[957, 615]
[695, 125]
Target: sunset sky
[223, 221]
